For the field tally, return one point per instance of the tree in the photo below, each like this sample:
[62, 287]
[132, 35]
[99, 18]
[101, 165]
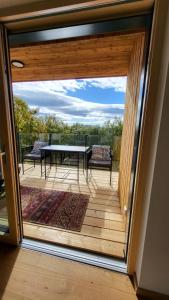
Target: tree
[114, 128]
[53, 125]
[25, 118]
[29, 121]
[117, 127]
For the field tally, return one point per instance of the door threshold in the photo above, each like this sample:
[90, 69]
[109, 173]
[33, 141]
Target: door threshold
[113, 264]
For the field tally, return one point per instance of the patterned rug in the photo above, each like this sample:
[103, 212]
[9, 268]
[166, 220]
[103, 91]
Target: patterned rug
[54, 208]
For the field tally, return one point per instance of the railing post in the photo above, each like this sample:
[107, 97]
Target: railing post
[50, 138]
[86, 136]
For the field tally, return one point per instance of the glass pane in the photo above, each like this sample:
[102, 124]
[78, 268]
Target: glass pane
[3, 204]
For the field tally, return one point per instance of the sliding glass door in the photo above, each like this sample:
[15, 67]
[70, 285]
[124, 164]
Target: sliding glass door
[10, 229]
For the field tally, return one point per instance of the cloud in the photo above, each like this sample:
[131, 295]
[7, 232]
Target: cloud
[59, 86]
[72, 85]
[117, 83]
[52, 97]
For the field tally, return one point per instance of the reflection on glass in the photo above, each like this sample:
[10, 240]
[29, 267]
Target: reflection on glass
[3, 205]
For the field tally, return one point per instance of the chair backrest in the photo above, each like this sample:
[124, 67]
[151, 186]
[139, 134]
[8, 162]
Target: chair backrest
[38, 145]
[101, 152]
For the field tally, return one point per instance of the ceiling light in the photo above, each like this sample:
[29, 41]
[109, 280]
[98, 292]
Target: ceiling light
[17, 64]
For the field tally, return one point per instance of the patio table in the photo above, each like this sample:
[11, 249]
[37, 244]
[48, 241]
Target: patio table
[78, 150]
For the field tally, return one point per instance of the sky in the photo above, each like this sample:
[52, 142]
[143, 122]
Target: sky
[87, 101]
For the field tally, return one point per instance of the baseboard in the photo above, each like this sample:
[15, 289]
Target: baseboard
[150, 295]
[146, 294]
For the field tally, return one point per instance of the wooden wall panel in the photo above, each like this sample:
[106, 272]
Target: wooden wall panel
[131, 107]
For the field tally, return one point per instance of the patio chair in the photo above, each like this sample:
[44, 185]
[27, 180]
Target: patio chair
[99, 157]
[33, 153]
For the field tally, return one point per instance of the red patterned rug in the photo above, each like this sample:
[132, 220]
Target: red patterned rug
[54, 208]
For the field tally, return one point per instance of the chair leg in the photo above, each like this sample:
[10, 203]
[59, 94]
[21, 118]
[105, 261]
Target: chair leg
[110, 176]
[87, 174]
[41, 167]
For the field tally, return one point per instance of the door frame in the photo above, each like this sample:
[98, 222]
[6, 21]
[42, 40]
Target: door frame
[129, 25]
[10, 163]
[137, 141]
[146, 139]
[129, 245]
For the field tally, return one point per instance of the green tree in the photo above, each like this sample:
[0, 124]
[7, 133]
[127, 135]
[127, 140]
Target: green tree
[114, 128]
[25, 118]
[53, 125]
[28, 121]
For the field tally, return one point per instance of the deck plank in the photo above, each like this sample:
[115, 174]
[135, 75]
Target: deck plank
[72, 239]
[104, 208]
[104, 215]
[107, 224]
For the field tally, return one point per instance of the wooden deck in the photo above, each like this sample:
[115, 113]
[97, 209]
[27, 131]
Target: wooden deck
[103, 229]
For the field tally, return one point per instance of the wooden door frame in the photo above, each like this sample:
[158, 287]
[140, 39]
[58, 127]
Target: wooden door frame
[10, 164]
[146, 138]
[50, 14]
[136, 215]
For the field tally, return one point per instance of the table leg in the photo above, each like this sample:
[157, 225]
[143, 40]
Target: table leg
[78, 162]
[56, 157]
[85, 166]
[45, 165]
[50, 160]
[83, 162]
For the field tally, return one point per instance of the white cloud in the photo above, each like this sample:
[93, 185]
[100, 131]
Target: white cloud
[59, 86]
[65, 86]
[117, 83]
[51, 97]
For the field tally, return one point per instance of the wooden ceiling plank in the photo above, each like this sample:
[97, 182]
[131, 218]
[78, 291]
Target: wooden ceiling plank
[101, 45]
[71, 62]
[82, 58]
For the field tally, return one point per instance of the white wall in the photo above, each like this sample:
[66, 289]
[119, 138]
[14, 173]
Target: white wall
[152, 268]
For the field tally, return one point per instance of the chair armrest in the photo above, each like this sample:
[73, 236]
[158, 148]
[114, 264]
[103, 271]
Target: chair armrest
[26, 149]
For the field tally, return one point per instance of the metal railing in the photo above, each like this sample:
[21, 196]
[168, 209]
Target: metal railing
[24, 139]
